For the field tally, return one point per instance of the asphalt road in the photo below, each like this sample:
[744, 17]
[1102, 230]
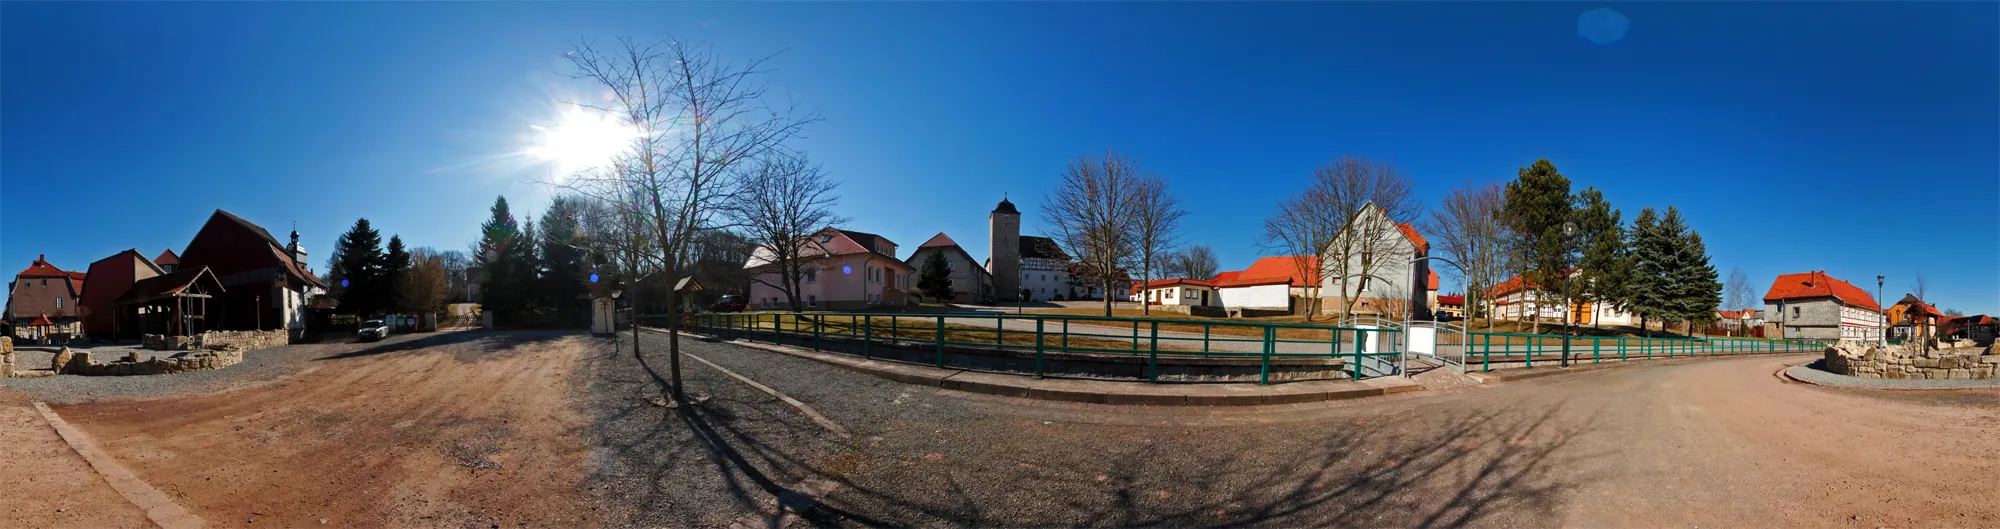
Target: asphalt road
[1717, 443]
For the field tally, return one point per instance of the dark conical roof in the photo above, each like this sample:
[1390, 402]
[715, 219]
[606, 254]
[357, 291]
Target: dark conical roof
[1006, 207]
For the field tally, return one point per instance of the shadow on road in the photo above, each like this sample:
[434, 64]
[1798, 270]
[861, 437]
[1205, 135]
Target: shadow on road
[488, 341]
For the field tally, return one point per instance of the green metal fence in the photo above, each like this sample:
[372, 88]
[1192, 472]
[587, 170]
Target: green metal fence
[1044, 334]
[1488, 348]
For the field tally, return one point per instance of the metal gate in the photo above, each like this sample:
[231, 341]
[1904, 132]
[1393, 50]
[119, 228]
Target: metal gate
[1434, 340]
[1373, 342]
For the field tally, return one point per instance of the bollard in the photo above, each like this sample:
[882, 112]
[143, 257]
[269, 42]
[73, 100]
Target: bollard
[940, 341]
[1264, 375]
[1153, 354]
[1038, 347]
[867, 334]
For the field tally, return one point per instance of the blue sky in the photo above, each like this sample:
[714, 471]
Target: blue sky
[1859, 138]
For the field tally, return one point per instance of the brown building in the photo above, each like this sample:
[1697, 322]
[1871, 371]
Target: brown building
[43, 302]
[267, 282]
[111, 277]
[168, 261]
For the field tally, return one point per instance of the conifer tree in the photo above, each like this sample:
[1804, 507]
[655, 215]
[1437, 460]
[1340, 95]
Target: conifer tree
[396, 275]
[360, 251]
[1603, 240]
[564, 268]
[935, 282]
[1700, 288]
[499, 245]
[1647, 291]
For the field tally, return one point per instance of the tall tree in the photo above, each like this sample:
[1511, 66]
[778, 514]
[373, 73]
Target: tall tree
[1330, 226]
[935, 282]
[565, 272]
[1736, 294]
[696, 121]
[1601, 266]
[1538, 203]
[1699, 289]
[497, 258]
[1467, 227]
[1156, 221]
[395, 274]
[361, 265]
[782, 204]
[423, 290]
[1648, 292]
[1197, 262]
[1092, 215]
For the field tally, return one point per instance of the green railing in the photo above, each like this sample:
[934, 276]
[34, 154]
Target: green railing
[1044, 334]
[1487, 348]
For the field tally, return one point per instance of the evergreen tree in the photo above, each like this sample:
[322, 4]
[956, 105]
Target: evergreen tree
[1675, 268]
[1700, 286]
[565, 271]
[1603, 260]
[499, 242]
[360, 251]
[527, 269]
[935, 282]
[1538, 203]
[396, 275]
[1646, 289]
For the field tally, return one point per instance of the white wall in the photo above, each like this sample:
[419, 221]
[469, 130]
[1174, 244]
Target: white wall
[1274, 296]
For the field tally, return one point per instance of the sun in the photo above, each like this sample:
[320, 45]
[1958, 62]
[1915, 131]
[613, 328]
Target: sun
[581, 139]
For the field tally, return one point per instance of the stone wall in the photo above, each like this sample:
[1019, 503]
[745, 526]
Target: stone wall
[6, 357]
[218, 340]
[80, 363]
[1914, 360]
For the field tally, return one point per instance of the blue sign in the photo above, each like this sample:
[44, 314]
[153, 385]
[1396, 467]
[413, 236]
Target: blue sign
[593, 278]
[847, 269]
[343, 283]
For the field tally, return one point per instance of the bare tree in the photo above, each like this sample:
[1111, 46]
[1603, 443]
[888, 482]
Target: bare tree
[1918, 288]
[425, 286]
[696, 120]
[1736, 293]
[1197, 262]
[1093, 215]
[1467, 228]
[1156, 218]
[783, 202]
[1346, 224]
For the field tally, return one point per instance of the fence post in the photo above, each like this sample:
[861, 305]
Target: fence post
[1596, 345]
[1486, 353]
[1038, 347]
[1135, 335]
[1065, 338]
[1360, 337]
[1264, 374]
[940, 341]
[867, 334]
[817, 330]
[1204, 337]
[999, 333]
[893, 332]
[1153, 354]
[1533, 344]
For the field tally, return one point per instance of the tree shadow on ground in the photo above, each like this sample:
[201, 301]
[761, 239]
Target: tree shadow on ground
[488, 342]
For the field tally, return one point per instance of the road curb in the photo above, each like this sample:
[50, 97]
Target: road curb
[1786, 374]
[159, 508]
[1092, 392]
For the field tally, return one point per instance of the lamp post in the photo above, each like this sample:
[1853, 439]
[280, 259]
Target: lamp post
[1569, 232]
[1881, 338]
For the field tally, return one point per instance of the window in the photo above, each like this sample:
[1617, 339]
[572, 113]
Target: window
[812, 275]
[1795, 312]
[826, 238]
[45, 282]
[950, 265]
[58, 303]
[812, 300]
[1045, 277]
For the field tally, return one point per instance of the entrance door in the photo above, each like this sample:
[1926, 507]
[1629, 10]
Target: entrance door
[1204, 298]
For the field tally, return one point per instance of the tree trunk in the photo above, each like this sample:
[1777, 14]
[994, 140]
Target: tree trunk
[1107, 298]
[1145, 278]
[674, 337]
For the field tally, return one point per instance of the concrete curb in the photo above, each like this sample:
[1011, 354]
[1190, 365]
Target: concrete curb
[1091, 391]
[1786, 374]
[159, 508]
[1509, 375]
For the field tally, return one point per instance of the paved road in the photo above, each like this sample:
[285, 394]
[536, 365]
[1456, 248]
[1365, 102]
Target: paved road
[1720, 443]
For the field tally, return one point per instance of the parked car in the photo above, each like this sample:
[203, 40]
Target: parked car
[373, 330]
[730, 303]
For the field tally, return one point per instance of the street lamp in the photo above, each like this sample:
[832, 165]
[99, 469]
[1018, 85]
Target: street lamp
[1881, 339]
[1569, 232]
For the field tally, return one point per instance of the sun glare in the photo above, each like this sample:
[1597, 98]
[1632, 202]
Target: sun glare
[580, 140]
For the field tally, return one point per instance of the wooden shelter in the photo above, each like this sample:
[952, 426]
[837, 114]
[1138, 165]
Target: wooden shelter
[174, 304]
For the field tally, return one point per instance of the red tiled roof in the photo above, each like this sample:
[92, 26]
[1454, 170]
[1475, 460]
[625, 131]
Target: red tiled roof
[1817, 284]
[1286, 266]
[1226, 276]
[44, 320]
[1252, 282]
[167, 257]
[1415, 238]
[939, 240]
[41, 268]
[1178, 281]
[1511, 285]
[1451, 300]
[1433, 281]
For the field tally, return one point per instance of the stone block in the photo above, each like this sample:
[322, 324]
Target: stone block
[1960, 374]
[1990, 359]
[60, 361]
[1927, 362]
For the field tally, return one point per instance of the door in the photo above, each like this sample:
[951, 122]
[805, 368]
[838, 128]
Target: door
[1204, 298]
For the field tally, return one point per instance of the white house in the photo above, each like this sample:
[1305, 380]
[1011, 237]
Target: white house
[1517, 299]
[1182, 291]
[1404, 286]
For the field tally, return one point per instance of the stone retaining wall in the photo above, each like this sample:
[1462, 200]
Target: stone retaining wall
[80, 363]
[218, 340]
[6, 357]
[1912, 361]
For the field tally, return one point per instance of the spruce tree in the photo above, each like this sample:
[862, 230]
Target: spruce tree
[1538, 203]
[565, 272]
[360, 252]
[1676, 269]
[1700, 285]
[1646, 291]
[935, 282]
[396, 275]
[526, 270]
[498, 239]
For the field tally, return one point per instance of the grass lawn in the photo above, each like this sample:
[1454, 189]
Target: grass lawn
[924, 328]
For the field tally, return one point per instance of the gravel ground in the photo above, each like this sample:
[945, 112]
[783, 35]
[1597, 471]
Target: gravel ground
[1812, 373]
[1697, 444]
[262, 365]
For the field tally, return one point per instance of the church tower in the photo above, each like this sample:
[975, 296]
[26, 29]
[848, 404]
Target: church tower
[1003, 228]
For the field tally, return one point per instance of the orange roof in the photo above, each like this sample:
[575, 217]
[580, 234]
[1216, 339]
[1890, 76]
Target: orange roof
[1411, 232]
[1255, 281]
[42, 268]
[1817, 284]
[1226, 276]
[1285, 266]
[44, 320]
[1178, 281]
[1433, 281]
[939, 240]
[1511, 285]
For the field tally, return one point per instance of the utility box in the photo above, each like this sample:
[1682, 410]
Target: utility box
[603, 316]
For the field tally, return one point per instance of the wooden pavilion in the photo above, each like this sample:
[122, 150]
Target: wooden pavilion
[174, 304]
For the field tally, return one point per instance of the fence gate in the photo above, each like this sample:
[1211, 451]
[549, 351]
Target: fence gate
[1436, 341]
[1381, 343]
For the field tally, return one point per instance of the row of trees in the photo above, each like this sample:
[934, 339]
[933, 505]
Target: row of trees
[1344, 226]
[369, 281]
[1656, 268]
[1113, 217]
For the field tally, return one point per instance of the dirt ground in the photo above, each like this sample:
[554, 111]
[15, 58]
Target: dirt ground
[46, 483]
[455, 429]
